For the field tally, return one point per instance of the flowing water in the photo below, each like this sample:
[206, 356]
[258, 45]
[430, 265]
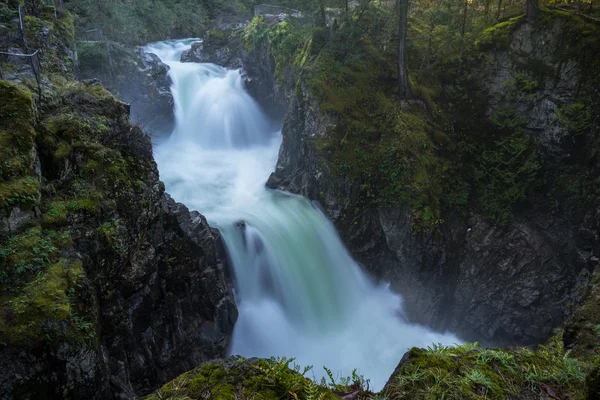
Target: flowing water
[299, 292]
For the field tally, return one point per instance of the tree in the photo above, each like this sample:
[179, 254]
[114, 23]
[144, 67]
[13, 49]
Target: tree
[403, 87]
[531, 10]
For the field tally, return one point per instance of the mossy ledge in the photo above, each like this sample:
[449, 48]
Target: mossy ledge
[461, 372]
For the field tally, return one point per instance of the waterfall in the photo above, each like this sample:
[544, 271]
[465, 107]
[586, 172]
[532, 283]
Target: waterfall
[298, 290]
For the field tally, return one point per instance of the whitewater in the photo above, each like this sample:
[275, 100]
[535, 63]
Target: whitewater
[298, 291]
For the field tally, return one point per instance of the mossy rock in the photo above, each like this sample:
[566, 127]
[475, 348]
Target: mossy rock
[22, 192]
[17, 135]
[42, 305]
[499, 35]
[58, 212]
[238, 378]
[471, 372]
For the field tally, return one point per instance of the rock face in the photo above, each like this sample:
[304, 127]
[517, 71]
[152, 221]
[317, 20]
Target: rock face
[500, 285]
[129, 289]
[136, 77]
[109, 288]
[216, 49]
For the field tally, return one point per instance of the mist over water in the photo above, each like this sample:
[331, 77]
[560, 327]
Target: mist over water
[299, 292]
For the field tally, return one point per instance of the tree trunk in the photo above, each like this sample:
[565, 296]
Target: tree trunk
[403, 87]
[499, 10]
[347, 7]
[531, 10]
[462, 36]
[464, 26]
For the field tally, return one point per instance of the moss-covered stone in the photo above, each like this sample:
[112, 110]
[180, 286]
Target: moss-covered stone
[470, 372]
[43, 309]
[16, 130]
[498, 36]
[19, 192]
[238, 378]
[58, 211]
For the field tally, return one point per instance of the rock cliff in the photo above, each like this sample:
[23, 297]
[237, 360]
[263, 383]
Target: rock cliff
[108, 288]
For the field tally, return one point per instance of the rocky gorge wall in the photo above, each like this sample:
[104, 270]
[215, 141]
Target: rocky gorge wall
[108, 287]
[506, 284]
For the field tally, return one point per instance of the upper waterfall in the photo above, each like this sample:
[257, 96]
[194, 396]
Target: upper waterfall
[298, 290]
[212, 108]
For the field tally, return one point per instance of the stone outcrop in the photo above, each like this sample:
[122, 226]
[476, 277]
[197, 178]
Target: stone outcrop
[215, 49]
[137, 77]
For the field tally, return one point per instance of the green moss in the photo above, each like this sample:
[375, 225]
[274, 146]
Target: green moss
[237, 378]
[108, 231]
[255, 33]
[498, 36]
[63, 151]
[53, 36]
[42, 310]
[68, 126]
[217, 34]
[28, 253]
[16, 131]
[470, 372]
[19, 192]
[58, 211]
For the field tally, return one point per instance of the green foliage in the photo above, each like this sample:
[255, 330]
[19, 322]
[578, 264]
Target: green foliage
[92, 56]
[276, 378]
[16, 132]
[498, 36]
[255, 33]
[42, 312]
[58, 211]
[592, 382]
[524, 85]
[28, 253]
[44, 296]
[470, 372]
[23, 192]
[575, 119]
[53, 33]
[145, 21]
[389, 150]
[506, 170]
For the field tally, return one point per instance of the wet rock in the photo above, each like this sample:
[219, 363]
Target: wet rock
[138, 78]
[219, 48]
